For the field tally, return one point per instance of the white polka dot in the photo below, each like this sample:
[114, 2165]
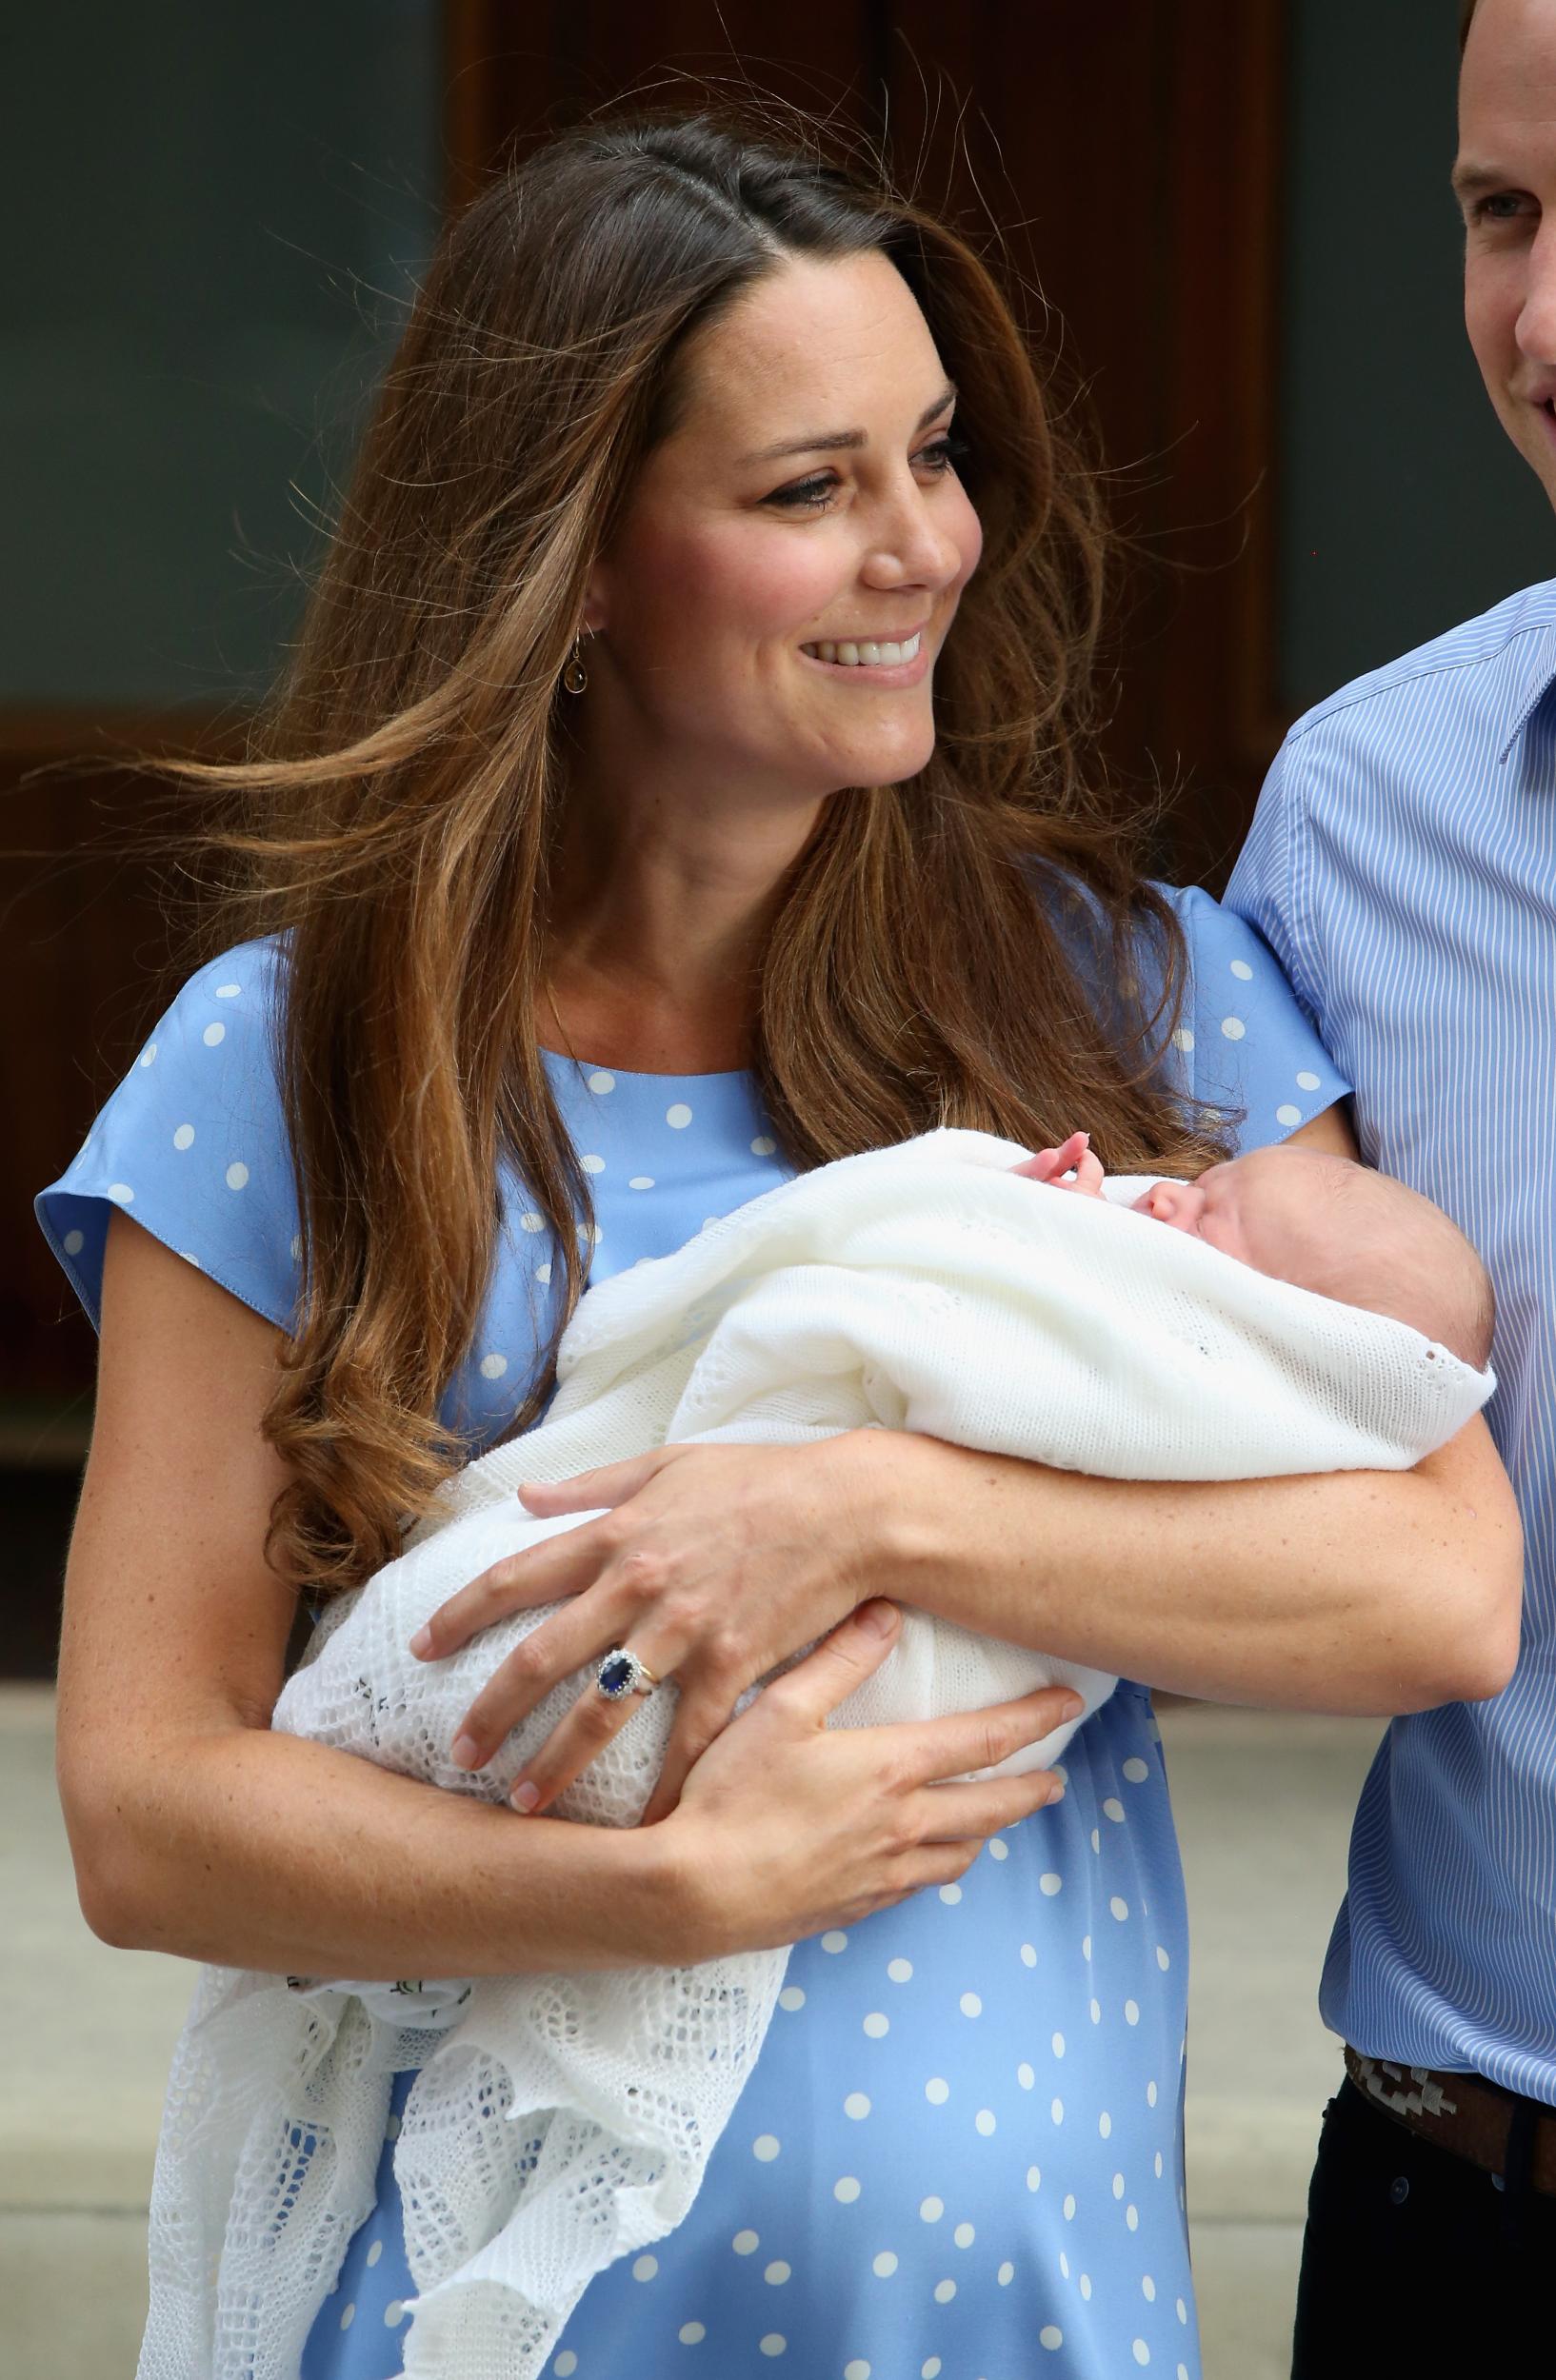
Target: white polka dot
[1233, 1028]
[885, 2265]
[944, 2291]
[937, 2091]
[746, 2243]
[1086, 1946]
[857, 2106]
[644, 2268]
[930, 2210]
[149, 1052]
[532, 1221]
[691, 2334]
[998, 1850]
[1064, 2266]
[1286, 1114]
[74, 1242]
[1148, 2289]
[1118, 2185]
[846, 2188]
[347, 2317]
[964, 2235]
[1028, 1957]
[1086, 2285]
[765, 2148]
[792, 1996]
[1136, 1772]
[773, 2344]
[1057, 2110]
[543, 1274]
[971, 2004]
[237, 1175]
[1112, 1807]
[1131, 2217]
[1005, 2274]
[901, 1970]
[834, 1941]
[1158, 2164]
[877, 2025]
[493, 1366]
[1150, 2094]
[1069, 2207]
[1306, 1081]
[565, 2364]
[1050, 1884]
[1119, 1907]
[930, 2370]
[1024, 2075]
[985, 2121]
[1162, 1959]
[1034, 2177]
[121, 1192]
[1050, 2336]
[1096, 2012]
[1132, 2012]
[1142, 2352]
[641, 1182]
[678, 1118]
[592, 1165]
[1242, 970]
[1096, 1839]
[1104, 2125]
[777, 2273]
[600, 1080]
[764, 1146]
[391, 2130]
[1180, 2311]
[951, 1895]
[377, 2248]
[1183, 1039]
[394, 2313]
[211, 1036]
[183, 1136]
[856, 2369]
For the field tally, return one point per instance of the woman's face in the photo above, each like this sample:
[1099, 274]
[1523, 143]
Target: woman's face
[806, 501]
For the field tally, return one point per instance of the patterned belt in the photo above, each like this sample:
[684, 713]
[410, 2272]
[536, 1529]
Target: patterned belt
[1469, 2117]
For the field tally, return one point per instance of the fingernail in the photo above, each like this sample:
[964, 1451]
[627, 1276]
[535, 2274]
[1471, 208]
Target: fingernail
[421, 1643]
[525, 1795]
[1057, 1794]
[1071, 1706]
[464, 1751]
[879, 1618]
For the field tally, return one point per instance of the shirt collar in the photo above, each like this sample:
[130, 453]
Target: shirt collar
[1535, 684]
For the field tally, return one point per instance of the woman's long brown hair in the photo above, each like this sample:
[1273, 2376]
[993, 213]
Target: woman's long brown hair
[961, 949]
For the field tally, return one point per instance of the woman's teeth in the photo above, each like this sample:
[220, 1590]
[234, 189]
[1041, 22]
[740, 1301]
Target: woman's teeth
[886, 655]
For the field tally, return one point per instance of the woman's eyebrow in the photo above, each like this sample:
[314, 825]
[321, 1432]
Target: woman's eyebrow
[829, 441]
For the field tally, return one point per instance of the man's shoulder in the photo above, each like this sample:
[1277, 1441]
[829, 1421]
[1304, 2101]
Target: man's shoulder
[1483, 671]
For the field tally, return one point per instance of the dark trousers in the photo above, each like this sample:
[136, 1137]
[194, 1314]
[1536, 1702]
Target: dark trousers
[1416, 2263]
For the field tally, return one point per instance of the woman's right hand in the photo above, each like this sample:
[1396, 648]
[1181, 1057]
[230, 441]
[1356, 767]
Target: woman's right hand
[784, 1826]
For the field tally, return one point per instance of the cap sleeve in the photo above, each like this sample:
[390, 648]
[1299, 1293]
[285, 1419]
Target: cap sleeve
[193, 1144]
[1247, 1044]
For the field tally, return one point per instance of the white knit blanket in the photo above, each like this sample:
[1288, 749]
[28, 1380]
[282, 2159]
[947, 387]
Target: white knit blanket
[561, 2121]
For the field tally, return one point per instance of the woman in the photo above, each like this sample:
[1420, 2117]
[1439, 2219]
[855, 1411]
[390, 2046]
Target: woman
[617, 878]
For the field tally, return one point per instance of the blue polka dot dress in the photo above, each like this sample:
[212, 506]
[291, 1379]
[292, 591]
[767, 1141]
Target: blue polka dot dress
[958, 2157]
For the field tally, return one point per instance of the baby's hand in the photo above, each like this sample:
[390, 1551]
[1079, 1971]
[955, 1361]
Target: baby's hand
[1072, 1157]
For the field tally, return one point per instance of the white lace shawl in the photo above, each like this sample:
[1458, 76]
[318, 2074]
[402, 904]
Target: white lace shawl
[561, 2121]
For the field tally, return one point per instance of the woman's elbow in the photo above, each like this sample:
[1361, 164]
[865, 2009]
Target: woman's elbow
[107, 1865]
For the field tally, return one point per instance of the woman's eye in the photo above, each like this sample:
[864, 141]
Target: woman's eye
[805, 494]
[943, 453]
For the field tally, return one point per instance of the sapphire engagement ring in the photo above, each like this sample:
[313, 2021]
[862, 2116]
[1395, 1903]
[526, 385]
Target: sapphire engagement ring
[620, 1674]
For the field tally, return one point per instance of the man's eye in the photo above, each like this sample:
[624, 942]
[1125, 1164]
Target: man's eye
[1501, 206]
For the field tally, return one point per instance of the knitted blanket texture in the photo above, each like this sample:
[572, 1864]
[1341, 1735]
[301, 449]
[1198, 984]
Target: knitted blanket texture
[558, 2122]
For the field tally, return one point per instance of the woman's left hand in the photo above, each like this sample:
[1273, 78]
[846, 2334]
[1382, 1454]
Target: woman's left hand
[712, 1563]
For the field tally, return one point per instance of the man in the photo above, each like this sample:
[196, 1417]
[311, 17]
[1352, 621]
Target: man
[1402, 862]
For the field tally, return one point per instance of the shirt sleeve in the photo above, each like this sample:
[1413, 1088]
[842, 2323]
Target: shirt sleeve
[193, 1144]
[1247, 1046]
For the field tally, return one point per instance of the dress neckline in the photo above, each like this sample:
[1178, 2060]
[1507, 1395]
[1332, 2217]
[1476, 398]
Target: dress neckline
[587, 1066]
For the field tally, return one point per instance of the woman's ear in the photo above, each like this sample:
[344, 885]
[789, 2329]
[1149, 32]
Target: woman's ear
[594, 602]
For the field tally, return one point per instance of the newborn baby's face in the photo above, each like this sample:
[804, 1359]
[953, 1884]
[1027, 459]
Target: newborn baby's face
[1261, 1208]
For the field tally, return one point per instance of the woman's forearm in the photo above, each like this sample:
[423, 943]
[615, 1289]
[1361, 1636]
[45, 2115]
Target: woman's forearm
[258, 1850]
[1355, 1591]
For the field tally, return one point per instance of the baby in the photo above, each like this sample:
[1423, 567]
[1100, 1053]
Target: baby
[1322, 1222]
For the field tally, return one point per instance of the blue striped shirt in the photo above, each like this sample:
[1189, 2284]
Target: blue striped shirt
[1403, 864]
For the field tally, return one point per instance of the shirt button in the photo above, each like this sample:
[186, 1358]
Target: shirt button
[1399, 2189]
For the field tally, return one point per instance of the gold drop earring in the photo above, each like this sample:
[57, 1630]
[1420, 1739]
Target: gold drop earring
[574, 676]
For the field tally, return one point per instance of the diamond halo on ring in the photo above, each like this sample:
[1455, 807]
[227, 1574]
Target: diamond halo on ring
[620, 1674]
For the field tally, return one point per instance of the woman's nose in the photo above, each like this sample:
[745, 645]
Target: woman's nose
[909, 547]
